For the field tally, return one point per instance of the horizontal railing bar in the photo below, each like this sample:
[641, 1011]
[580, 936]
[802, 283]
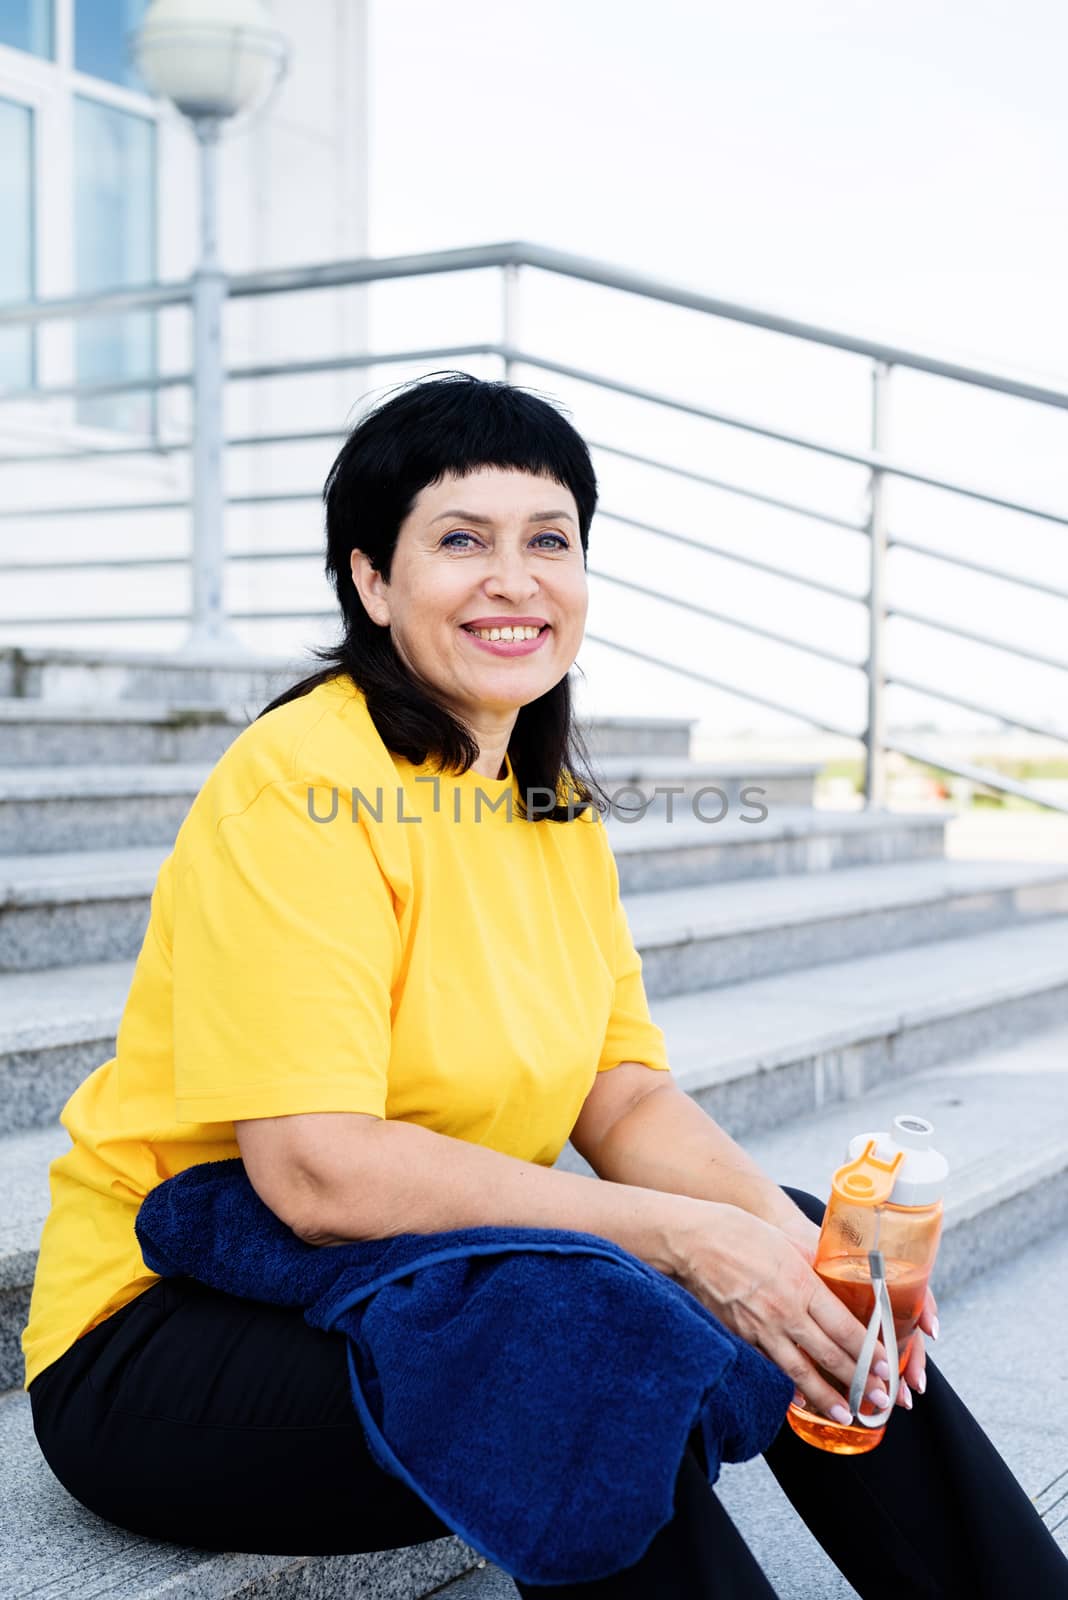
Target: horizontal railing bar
[170, 447]
[149, 383]
[371, 269]
[732, 555]
[869, 459]
[87, 563]
[108, 302]
[281, 497]
[872, 460]
[248, 374]
[983, 775]
[920, 687]
[295, 496]
[721, 683]
[305, 615]
[729, 488]
[732, 622]
[93, 453]
[979, 566]
[318, 436]
[374, 269]
[630, 282]
[978, 638]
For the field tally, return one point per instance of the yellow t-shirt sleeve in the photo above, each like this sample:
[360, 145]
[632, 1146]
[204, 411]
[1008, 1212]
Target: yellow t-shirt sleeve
[285, 950]
[631, 1034]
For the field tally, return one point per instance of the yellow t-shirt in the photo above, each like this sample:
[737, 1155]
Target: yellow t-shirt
[338, 930]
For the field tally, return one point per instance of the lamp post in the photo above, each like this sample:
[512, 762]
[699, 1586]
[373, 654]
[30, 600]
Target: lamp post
[215, 60]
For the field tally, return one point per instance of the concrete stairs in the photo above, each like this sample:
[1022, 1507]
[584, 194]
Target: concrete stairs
[814, 971]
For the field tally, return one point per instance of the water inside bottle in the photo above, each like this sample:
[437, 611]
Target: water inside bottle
[850, 1279]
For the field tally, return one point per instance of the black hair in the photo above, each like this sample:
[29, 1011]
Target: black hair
[451, 423]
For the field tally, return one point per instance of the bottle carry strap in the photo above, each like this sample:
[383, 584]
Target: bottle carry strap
[882, 1314]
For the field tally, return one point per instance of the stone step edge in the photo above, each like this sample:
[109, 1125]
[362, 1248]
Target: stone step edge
[134, 780]
[97, 1021]
[860, 1029]
[34, 879]
[724, 919]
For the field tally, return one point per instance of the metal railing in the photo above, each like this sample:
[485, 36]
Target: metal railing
[208, 499]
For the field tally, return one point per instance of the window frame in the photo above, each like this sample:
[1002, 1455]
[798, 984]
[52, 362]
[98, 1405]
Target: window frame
[48, 88]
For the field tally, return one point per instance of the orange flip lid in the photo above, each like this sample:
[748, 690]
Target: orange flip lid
[867, 1181]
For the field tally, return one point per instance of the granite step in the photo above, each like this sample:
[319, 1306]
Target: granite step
[51, 1545]
[759, 1054]
[63, 908]
[655, 853]
[1003, 1244]
[76, 675]
[56, 733]
[74, 731]
[752, 1051]
[49, 808]
[56, 1027]
[58, 1023]
[84, 674]
[705, 936]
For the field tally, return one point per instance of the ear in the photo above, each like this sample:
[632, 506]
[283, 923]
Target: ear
[372, 588]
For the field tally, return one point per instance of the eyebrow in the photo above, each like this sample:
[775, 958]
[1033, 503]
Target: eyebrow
[472, 516]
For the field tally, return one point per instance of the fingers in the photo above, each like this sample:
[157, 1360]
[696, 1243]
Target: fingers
[915, 1370]
[845, 1330]
[807, 1358]
[929, 1316]
[817, 1394]
[834, 1363]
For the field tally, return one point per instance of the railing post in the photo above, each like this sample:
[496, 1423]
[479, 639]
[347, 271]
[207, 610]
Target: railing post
[509, 313]
[875, 734]
[210, 629]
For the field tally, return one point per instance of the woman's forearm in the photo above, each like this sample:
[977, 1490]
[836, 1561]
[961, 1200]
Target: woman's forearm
[403, 1178]
[667, 1142]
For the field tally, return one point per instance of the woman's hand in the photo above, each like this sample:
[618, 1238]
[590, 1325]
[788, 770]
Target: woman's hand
[804, 1234]
[759, 1282]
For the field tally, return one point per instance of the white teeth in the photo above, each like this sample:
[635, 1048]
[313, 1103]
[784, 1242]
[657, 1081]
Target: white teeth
[506, 635]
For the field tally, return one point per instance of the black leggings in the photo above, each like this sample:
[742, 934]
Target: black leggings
[193, 1416]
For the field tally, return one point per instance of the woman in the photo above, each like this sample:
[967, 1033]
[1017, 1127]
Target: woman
[387, 964]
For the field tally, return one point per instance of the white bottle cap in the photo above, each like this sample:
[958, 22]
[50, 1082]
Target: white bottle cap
[921, 1177]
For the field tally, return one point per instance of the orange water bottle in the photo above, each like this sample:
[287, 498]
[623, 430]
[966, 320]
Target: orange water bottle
[876, 1249]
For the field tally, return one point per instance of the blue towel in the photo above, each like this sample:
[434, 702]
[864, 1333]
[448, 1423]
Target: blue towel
[536, 1387]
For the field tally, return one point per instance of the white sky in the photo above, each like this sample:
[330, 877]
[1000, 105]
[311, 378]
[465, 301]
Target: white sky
[896, 169]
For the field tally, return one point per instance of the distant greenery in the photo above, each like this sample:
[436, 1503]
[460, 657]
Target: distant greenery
[1022, 770]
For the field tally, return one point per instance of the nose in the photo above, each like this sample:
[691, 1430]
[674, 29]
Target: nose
[510, 576]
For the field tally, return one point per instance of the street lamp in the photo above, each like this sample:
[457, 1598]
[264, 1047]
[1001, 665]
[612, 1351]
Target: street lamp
[217, 61]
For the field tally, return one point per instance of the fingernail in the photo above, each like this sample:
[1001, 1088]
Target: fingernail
[879, 1399]
[881, 1370]
[906, 1395]
[921, 1383]
[934, 1329]
[841, 1414]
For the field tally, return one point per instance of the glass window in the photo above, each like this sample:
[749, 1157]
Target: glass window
[27, 25]
[16, 239]
[101, 39]
[114, 247]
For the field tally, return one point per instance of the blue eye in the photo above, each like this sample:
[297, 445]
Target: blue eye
[447, 543]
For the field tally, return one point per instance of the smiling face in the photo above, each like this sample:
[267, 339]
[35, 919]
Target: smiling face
[497, 544]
